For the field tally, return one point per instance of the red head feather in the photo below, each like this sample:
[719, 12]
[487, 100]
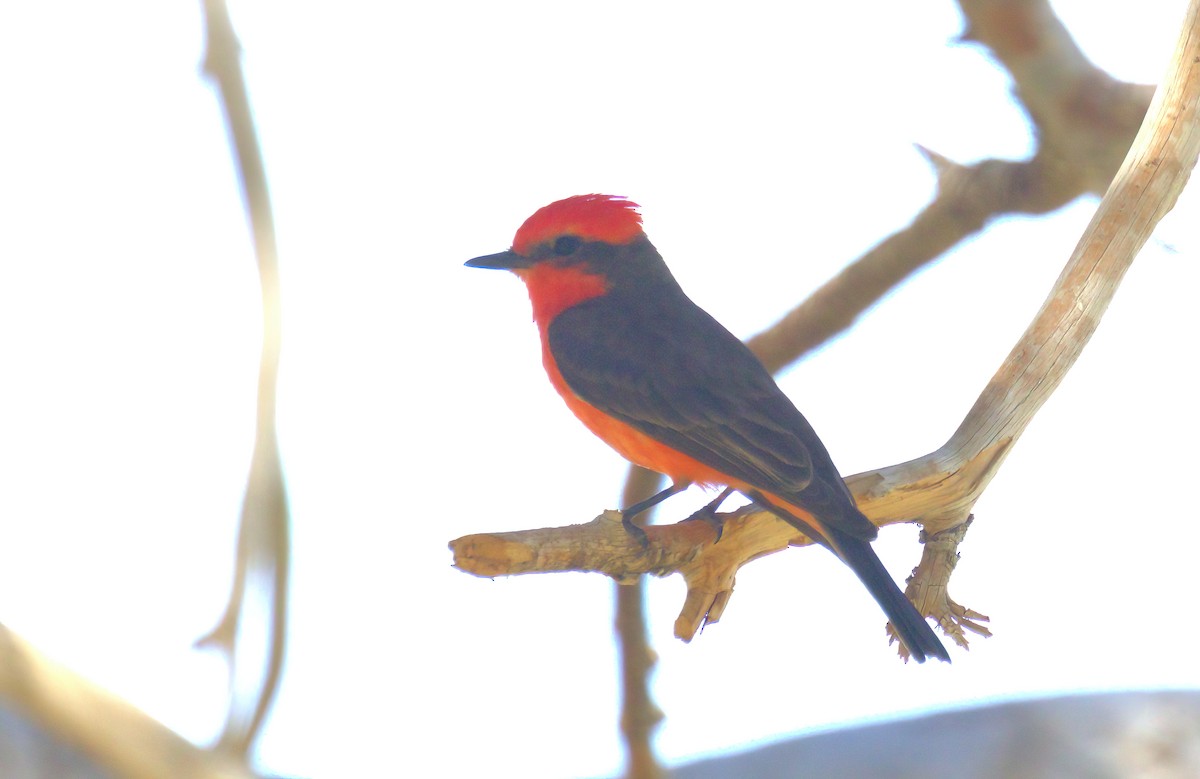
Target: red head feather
[607, 218]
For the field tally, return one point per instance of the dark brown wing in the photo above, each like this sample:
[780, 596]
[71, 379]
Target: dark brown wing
[664, 366]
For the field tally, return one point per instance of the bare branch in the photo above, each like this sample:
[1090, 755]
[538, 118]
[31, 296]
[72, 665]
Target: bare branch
[937, 490]
[640, 717]
[1084, 118]
[263, 535]
[927, 587]
[124, 740]
[1084, 121]
[1144, 190]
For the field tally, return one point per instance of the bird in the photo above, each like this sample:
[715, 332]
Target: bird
[669, 388]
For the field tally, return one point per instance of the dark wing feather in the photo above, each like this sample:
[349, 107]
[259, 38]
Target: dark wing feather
[664, 366]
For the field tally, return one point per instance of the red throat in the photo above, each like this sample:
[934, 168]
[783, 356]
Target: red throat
[553, 290]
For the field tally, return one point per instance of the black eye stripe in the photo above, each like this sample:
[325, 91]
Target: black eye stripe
[566, 244]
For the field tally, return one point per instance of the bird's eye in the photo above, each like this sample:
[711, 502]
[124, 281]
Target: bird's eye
[566, 244]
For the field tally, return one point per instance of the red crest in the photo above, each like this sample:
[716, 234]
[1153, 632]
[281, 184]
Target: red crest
[607, 218]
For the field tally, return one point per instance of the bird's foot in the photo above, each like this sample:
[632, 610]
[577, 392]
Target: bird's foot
[709, 514]
[634, 530]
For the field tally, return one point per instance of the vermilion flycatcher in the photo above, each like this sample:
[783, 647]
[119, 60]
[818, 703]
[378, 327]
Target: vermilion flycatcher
[663, 383]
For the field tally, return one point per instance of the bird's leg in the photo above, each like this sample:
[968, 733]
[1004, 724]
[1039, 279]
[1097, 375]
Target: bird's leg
[709, 513]
[628, 514]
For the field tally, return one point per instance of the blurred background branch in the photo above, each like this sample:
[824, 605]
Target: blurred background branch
[110, 737]
[262, 546]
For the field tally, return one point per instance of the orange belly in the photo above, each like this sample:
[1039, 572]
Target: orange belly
[631, 443]
[639, 448]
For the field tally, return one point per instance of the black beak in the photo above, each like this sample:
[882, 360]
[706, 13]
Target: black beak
[509, 260]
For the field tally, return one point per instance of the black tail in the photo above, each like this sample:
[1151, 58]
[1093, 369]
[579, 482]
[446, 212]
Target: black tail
[857, 553]
[908, 623]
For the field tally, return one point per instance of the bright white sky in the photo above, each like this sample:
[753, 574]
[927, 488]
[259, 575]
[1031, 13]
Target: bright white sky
[769, 146]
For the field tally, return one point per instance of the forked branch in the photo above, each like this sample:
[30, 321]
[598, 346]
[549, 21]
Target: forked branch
[939, 489]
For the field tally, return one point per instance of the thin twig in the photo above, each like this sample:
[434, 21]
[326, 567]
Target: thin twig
[640, 717]
[263, 535]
